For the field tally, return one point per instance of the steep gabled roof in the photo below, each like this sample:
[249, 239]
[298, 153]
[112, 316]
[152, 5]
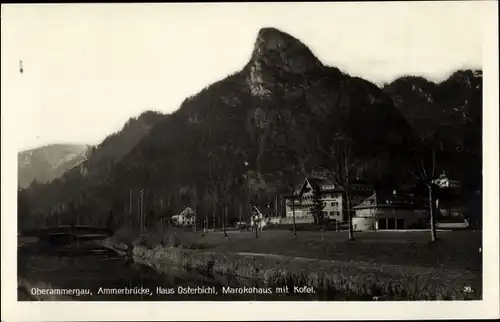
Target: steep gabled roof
[315, 183]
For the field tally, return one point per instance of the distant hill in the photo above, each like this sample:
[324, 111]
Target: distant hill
[94, 169]
[264, 127]
[119, 144]
[49, 162]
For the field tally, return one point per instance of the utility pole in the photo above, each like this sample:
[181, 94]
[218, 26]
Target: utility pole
[142, 211]
[204, 228]
[255, 218]
[161, 229]
[276, 207]
[213, 212]
[250, 203]
[195, 215]
[257, 226]
[130, 208]
[203, 225]
[224, 220]
[138, 213]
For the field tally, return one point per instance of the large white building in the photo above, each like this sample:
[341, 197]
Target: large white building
[332, 196]
[390, 211]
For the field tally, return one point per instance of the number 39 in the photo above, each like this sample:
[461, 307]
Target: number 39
[467, 289]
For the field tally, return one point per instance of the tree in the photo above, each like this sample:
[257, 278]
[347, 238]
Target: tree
[223, 178]
[193, 199]
[292, 200]
[431, 145]
[317, 206]
[340, 163]
[23, 210]
[110, 221]
[426, 173]
[204, 220]
[225, 187]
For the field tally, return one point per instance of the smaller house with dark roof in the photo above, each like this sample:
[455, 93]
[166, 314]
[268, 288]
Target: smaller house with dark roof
[390, 211]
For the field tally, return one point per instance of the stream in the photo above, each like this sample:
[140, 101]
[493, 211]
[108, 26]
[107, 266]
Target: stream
[88, 272]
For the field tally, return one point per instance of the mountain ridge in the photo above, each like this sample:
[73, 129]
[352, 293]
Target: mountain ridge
[48, 162]
[264, 115]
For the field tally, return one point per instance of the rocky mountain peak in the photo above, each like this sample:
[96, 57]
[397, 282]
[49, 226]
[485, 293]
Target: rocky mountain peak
[275, 54]
[276, 48]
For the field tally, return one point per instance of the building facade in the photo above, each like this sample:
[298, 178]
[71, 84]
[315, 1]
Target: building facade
[449, 202]
[389, 211]
[332, 196]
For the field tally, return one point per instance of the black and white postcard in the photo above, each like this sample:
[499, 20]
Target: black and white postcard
[297, 160]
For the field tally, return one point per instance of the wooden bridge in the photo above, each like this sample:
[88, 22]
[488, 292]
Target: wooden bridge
[70, 234]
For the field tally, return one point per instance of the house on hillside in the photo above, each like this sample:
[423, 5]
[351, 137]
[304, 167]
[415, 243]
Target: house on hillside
[185, 217]
[450, 204]
[390, 211]
[332, 196]
[444, 182]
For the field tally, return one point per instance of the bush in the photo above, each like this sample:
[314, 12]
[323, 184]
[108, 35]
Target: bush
[126, 235]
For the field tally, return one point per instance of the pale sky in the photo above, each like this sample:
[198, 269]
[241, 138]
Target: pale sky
[89, 68]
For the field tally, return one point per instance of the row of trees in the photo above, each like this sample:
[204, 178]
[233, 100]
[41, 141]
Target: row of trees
[229, 184]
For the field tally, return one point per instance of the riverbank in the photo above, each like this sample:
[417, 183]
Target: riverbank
[234, 258]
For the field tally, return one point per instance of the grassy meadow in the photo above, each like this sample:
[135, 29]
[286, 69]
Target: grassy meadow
[389, 265]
